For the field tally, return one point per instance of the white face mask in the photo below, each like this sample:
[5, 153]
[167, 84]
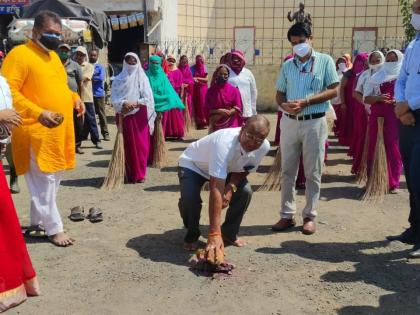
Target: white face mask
[302, 49]
[392, 68]
[415, 21]
[342, 67]
[375, 67]
[131, 68]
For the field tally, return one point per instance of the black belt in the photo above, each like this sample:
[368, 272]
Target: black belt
[306, 117]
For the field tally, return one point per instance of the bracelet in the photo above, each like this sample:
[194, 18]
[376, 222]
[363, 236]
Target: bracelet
[308, 101]
[215, 234]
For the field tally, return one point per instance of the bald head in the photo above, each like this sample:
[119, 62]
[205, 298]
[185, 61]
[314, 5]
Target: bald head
[254, 132]
[258, 123]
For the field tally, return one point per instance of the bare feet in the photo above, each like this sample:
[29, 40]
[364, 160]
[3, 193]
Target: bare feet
[237, 243]
[191, 247]
[61, 239]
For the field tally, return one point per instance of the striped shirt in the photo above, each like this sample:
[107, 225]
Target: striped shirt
[299, 80]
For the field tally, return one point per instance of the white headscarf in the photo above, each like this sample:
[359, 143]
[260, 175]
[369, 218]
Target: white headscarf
[389, 70]
[132, 85]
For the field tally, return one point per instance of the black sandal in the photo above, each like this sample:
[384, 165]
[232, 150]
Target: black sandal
[77, 214]
[95, 215]
[34, 231]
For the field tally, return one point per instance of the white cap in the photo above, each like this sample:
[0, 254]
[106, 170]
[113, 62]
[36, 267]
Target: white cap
[82, 50]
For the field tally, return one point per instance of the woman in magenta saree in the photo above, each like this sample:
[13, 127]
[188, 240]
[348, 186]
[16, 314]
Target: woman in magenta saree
[223, 102]
[188, 83]
[173, 120]
[200, 76]
[348, 102]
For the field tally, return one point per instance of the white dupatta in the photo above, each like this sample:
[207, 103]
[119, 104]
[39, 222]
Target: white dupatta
[132, 85]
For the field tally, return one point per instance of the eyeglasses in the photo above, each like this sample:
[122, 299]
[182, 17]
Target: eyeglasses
[254, 138]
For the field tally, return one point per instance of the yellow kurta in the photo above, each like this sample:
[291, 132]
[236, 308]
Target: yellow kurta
[38, 82]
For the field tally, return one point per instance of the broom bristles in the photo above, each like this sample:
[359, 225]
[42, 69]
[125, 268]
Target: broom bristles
[187, 116]
[377, 184]
[361, 175]
[116, 168]
[272, 181]
[159, 147]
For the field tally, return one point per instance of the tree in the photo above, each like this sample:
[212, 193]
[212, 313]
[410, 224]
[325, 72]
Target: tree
[406, 10]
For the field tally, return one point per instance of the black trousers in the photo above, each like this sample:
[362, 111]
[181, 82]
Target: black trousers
[90, 126]
[410, 152]
[190, 205]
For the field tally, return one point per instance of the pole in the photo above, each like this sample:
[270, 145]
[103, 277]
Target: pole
[146, 22]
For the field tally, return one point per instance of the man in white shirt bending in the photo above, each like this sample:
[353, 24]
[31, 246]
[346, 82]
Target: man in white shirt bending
[225, 158]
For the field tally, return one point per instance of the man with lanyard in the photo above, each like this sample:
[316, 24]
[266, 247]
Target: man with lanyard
[305, 86]
[74, 81]
[224, 158]
[407, 110]
[98, 82]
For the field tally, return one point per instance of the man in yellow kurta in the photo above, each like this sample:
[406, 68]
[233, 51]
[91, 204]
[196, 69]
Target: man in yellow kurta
[43, 147]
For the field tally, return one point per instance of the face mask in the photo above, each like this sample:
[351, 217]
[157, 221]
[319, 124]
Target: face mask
[415, 21]
[342, 67]
[302, 49]
[131, 68]
[392, 68]
[50, 41]
[64, 55]
[221, 80]
[375, 67]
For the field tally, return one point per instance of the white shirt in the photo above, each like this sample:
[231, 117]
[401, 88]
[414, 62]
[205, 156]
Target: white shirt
[220, 153]
[6, 101]
[247, 86]
[363, 81]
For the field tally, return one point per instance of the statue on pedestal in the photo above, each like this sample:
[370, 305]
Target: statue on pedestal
[300, 16]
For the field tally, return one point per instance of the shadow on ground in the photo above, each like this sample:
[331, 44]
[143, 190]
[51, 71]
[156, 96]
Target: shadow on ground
[387, 270]
[84, 182]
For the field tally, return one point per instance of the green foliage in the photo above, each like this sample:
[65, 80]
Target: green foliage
[406, 10]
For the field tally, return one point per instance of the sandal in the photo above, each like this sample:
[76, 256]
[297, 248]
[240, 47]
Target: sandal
[95, 215]
[77, 214]
[34, 231]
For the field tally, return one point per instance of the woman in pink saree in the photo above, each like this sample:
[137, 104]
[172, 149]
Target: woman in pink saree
[348, 103]
[223, 102]
[200, 76]
[188, 84]
[173, 120]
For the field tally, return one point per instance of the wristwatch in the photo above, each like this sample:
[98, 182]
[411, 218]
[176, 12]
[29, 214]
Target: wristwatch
[234, 188]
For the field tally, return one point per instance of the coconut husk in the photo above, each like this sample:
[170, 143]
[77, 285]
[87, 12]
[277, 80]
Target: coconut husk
[116, 168]
[272, 181]
[377, 184]
[159, 146]
[361, 175]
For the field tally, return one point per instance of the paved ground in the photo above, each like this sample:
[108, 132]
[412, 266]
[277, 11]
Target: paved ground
[133, 262]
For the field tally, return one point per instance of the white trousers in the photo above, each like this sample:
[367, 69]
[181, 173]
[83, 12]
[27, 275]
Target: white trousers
[307, 137]
[43, 188]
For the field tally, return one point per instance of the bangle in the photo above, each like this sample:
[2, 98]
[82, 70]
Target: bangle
[233, 186]
[215, 234]
[308, 101]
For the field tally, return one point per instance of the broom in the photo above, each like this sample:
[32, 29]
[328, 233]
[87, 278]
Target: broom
[116, 168]
[361, 175]
[187, 116]
[159, 147]
[272, 181]
[377, 184]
